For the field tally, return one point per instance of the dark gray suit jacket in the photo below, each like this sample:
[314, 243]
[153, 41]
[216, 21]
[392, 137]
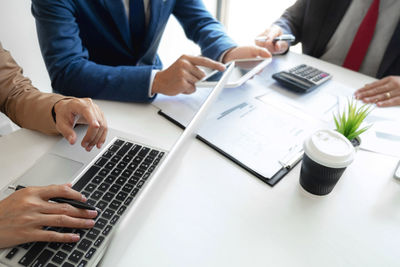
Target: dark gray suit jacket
[313, 22]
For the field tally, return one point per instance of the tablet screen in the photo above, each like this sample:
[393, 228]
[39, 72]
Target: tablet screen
[240, 70]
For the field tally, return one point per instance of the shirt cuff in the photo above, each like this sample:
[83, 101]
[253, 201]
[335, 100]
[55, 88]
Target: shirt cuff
[153, 74]
[221, 57]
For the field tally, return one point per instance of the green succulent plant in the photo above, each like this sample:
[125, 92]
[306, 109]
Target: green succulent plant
[349, 121]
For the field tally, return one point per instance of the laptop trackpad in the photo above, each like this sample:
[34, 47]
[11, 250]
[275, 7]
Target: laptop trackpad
[50, 169]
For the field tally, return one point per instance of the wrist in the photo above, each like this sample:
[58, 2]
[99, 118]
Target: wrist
[225, 58]
[150, 89]
[53, 114]
[57, 107]
[155, 88]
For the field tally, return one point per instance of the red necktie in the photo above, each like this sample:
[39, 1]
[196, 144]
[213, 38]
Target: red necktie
[359, 47]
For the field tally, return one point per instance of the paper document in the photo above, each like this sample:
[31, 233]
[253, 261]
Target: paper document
[184, 106]
[383, 137]
[318, 103]
[333, 97]
[259, 136]
[261, 125]
[246, 129]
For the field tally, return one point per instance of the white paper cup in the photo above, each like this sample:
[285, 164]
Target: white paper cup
[327, 153]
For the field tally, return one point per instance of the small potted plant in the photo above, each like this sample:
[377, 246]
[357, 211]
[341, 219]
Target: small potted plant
[349, 121]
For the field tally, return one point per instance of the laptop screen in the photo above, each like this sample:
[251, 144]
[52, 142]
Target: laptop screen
[156, 185]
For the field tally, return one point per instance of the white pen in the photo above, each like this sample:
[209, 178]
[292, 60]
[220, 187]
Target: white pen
[284, 37]
[261, 38]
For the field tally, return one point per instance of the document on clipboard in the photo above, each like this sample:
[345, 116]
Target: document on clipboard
[264, 140]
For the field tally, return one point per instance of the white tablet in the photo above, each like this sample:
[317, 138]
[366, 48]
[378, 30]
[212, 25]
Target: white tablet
[244, 69]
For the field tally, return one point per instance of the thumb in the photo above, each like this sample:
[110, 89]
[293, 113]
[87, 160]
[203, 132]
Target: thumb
[262, 52]
[274, 32]
[281, 47]
[64, 126]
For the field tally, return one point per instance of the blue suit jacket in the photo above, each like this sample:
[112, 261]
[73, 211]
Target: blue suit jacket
[313, 22]
[88, 50]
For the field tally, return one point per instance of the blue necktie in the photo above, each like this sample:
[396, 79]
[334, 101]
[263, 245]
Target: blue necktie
[137, 24]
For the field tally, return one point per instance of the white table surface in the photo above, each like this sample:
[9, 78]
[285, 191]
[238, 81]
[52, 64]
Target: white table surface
[211, 212]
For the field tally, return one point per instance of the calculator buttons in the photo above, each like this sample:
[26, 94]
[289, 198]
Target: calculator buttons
[302, 78]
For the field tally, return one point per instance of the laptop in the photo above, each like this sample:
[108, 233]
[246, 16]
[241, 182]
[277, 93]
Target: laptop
[115, 179]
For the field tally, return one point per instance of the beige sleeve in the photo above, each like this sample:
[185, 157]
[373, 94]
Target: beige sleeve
[21, 102]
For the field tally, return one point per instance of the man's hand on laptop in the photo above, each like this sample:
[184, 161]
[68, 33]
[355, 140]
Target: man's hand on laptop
[87, 112]
[24, 213]
[181, 76]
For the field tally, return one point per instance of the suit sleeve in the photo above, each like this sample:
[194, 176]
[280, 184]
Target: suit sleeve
[21, 102]
[202, 28]
[292, 19]
[67, 60]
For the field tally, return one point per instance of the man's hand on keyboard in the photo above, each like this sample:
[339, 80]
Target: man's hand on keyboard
[87, 112]
[25, 212]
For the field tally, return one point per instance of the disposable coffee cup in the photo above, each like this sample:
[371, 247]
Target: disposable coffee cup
[327, 153]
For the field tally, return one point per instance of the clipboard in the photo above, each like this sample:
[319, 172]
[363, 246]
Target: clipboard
[288, 162]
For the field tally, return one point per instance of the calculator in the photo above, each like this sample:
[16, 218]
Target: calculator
[302, 78]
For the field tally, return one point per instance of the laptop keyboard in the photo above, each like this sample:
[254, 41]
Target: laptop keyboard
[111, 185]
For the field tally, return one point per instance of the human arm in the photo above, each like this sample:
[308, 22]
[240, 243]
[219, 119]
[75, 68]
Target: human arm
[71, 70]
[32, 109]
[23, 103]
[202, 28]
[242, 52]
[25, 212]
[384, 92]
[289, 23]
[209, 34]
[182, 75]
[86, 112]
[279, 47]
